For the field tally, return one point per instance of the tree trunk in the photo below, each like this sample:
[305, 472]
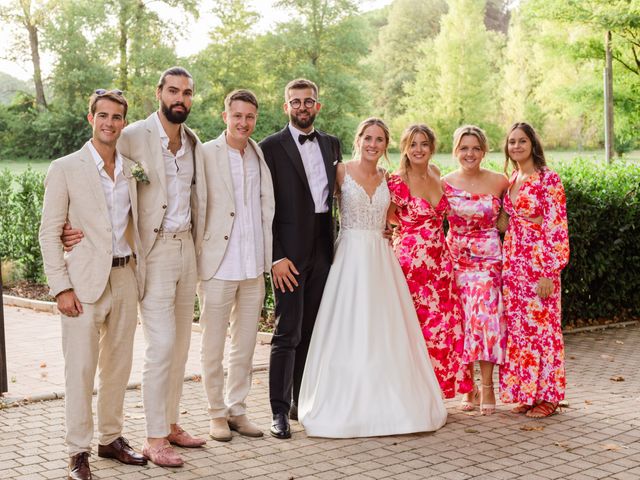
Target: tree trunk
[123, 71]
[32, 28]
[37, 72]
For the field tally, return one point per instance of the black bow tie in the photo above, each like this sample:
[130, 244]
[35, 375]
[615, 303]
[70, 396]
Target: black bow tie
[303, 138]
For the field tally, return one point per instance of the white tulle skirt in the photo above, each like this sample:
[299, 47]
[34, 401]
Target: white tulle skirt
[368, 372]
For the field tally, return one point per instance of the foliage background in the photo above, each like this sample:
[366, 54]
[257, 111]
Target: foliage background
[445, 63]
[603, 207]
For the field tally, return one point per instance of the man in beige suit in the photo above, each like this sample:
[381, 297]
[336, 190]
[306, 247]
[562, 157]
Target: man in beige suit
[236, 251]
[171, 209]
[96, 286]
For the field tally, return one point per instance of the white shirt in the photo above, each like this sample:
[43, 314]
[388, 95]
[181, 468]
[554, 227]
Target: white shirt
[179, 171]
[116, 195]
[314, 169]
[244, 257]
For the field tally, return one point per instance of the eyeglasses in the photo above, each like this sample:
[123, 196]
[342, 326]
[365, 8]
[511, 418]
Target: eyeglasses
[308, 103]
[102, 91]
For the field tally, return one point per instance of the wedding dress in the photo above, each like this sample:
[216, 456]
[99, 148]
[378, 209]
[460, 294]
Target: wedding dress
[367, 371]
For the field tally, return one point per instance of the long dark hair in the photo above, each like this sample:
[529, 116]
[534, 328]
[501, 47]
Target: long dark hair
[537, 152]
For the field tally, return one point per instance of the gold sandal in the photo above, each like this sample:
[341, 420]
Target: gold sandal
[487, 408]
[472, 401]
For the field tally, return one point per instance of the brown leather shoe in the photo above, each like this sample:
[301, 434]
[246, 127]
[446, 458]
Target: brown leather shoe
[79, 467]
[120, 450]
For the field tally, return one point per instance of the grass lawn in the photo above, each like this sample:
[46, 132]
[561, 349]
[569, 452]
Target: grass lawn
[444, 160]
[19, 166]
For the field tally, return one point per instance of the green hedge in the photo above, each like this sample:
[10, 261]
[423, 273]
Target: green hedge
[20, 211]
[602, 279]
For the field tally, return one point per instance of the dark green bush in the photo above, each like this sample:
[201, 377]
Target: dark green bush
[602, 279]
[20, 215]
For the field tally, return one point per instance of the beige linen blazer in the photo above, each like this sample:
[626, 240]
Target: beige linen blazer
[140, 142]
[73, 192]
[221, 207]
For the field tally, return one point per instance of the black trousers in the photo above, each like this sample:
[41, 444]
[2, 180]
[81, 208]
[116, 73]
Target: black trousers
[295, 317]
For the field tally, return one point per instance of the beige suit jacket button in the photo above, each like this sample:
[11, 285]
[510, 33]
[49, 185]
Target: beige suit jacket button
[164, 206]
[232, 214]
[155, 230]
[226, 237]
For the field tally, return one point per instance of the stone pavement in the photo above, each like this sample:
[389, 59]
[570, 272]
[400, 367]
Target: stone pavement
[34, 355]
[596, 436]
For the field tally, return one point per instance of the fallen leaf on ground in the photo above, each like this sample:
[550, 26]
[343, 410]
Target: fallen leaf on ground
[43, 365]
[184, 412]
[604, 356]
[197, 378]
[613, 447]
[561, 445]
[139, 405]
[572, 357]
[470, 430]
[617, 378]
[619, 342]
[563, 403]
[532, 428]
[588, 402]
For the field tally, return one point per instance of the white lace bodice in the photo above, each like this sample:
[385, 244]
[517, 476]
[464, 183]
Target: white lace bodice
[358, 211]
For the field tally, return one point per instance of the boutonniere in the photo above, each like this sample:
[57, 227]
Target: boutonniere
[335, 163]
[139, 174]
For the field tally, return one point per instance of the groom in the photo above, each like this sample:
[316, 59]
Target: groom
[302, 162]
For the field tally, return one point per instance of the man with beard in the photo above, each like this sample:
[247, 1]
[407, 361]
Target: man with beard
[172, 203]
[302, 162]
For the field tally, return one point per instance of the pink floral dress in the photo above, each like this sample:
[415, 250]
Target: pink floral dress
[474, 243]
[426, 263]
[533, 369]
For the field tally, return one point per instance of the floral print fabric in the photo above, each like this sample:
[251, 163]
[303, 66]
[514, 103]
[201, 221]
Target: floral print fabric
[533, 369]
[423, 255]
[474, 243]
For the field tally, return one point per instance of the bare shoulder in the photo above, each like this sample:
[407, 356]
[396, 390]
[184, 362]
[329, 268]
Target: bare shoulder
[498, 181]
[451, 176]
[434, 169]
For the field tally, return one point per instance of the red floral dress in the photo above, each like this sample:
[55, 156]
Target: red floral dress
[476, 250]
[533, 369]
[426, 263]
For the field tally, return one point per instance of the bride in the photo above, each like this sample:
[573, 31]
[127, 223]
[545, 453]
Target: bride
[367, 371]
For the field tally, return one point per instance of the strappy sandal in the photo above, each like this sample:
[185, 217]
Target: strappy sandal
[472, 402]
[522, 408]
[487, 408]
[543, 410]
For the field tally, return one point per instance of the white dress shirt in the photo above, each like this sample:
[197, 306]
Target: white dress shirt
[314, 169]
[179, 172]
[116, 195]
[244, 257]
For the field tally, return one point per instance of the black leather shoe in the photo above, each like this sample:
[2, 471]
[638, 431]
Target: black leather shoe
[79, 467]
[293, 412]
[280, 426]
[120, 450]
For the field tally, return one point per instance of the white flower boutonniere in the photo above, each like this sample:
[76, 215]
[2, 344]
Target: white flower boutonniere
[139, 174]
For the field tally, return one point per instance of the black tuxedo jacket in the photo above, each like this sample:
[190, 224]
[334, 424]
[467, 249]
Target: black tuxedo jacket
[293, 223]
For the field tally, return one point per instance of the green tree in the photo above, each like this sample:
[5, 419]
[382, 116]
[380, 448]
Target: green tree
[145, 47]
[325, 41]
[232, 60]
[396, 57]
[30, 17]
[456, 82]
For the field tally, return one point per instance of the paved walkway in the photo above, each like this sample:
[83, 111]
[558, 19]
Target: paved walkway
[34, 353]
[596, 436]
